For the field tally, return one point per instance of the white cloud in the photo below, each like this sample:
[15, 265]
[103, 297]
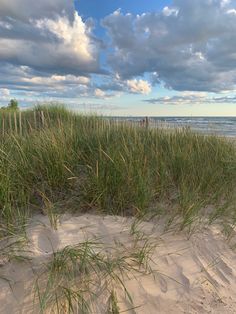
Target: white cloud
[139, 86]
[99, 93]
[224, 3]
[170, 11]
[55, 80]
[5, 25]
[5, 96]
[4, 92]
[73, 38]
[231, 11]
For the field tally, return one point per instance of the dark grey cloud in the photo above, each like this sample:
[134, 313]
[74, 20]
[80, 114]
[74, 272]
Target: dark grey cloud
[23, 10]
[189, 46]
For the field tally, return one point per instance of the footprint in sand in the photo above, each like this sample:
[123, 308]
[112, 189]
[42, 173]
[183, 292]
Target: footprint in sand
[44, 239]
[152, 286]
[163, 284]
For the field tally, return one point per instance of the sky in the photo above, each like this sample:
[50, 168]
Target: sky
[120, 57]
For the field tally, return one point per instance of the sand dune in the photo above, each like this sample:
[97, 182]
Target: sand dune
[194, 274]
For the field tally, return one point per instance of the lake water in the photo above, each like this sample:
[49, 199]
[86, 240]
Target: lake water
[223, 126]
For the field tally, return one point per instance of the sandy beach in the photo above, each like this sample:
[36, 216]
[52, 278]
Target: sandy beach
[190, 274]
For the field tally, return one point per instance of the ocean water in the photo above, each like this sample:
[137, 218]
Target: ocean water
[222, 126]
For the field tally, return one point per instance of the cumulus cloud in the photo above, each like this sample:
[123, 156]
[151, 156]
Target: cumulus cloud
[46, 49]
[139, 86]
[99, 93]
[45, 46]
[189, 45]
[51, 45]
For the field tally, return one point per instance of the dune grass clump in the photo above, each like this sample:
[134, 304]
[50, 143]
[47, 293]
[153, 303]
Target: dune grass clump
[50, 156]
[76, 276]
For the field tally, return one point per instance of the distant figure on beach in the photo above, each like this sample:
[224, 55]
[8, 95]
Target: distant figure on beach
[144, 122]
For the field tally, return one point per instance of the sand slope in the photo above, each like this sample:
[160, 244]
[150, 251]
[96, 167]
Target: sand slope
[190, 275]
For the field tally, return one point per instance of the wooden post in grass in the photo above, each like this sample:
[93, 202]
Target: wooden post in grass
[15, 121]
[42, 118]
[10, 122]
[3, 124]
[146, 122]
[20, 123]
[35, 120]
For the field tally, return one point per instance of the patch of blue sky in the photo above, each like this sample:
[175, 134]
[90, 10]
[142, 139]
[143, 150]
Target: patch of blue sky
[98, 9]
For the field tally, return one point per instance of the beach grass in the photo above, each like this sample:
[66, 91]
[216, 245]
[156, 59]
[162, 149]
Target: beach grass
[74, 277]
[52, 159]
